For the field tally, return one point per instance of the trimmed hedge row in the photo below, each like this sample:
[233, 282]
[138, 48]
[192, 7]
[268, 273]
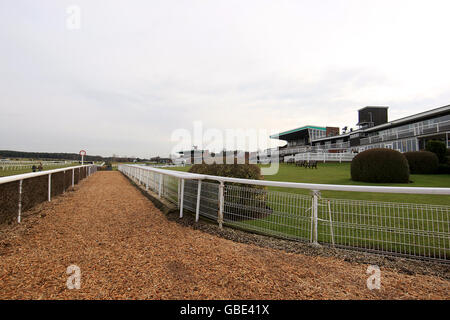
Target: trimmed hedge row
[422, 162]
[242, 202]
[243, 171]
[439, 148]
[380, 165]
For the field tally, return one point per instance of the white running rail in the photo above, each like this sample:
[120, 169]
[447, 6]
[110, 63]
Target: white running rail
[388, 228]
[14, 185]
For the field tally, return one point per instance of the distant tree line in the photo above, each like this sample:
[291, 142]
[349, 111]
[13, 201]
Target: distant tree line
[60, 156]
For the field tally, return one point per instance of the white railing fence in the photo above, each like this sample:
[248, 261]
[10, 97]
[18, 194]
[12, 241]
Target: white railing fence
[388, 228]
[322, 157]
[24, 165]
[410, 132]
[22, 191]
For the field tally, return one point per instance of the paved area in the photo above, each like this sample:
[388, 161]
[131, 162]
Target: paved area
[127, 249]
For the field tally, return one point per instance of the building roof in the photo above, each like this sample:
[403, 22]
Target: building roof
[394, 123]
[373, 107]
[276, 136]
[414, 117]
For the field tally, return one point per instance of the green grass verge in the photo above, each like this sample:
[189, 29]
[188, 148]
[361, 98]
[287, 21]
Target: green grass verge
[398, 228]
[339, 173]
[5, 173]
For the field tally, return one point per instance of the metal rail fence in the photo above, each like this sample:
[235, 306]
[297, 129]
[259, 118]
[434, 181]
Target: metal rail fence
[22, 191]
[322, 156]
[420, 231]
[24, 165]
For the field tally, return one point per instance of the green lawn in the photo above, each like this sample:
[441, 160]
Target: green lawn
[339, 173]
[4, 173]
[407, 226]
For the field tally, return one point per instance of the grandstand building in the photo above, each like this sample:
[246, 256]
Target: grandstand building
[374, 131]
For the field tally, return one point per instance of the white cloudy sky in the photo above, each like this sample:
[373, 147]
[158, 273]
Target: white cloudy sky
[138, 70]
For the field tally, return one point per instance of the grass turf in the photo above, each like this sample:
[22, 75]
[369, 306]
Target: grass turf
[339, 173]
[374, 226]
[5, 173]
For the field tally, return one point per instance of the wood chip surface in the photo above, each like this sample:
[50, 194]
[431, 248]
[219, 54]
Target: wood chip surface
[128, 249]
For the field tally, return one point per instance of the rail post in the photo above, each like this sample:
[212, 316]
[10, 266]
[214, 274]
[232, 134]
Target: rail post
[147, 180]
[197, 209]
[49, 187]
[179, 192]
[182, 198]
[221, 200]
[315, 214]
[160, 184]
[20, 202]
[73, 178]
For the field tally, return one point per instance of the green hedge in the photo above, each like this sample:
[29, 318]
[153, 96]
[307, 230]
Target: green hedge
[422, 162]
[243, 171]
[439, 148]
[244, 202]
[444, 168]
[380, 165]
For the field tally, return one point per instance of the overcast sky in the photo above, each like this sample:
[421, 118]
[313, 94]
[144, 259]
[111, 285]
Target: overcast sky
[135, 71]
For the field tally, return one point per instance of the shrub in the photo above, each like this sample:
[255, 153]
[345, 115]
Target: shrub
[243, 171]
[439, 148]
[380, 165]
[422, 162]
[444, 168]
[242, 201]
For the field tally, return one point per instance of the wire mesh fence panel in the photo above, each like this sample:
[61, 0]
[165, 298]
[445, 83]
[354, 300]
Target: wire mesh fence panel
[190, 195]
[155, 183]
[282, 214]
[170, 189]
[209, 200]
[416, 230]
[387, 228]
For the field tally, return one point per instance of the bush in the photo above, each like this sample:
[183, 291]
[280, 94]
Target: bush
[242, 201]
[439, 148]
[380, 165]
[422, 162]
[243, 171]
[444, 168]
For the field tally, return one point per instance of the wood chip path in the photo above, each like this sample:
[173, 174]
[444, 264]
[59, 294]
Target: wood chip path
[127, 249]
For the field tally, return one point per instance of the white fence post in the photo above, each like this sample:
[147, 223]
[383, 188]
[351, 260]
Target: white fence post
[199, 192]
[73, 178]
[331, 223]
[315, 213]
[20, 202]
[221, 200]
[160, 184]
[182, 198]
[49, 187]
